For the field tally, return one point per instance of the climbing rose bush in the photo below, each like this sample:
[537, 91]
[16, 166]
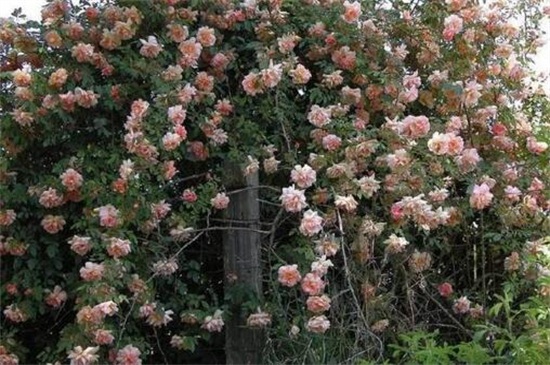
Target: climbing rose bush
[401, 151]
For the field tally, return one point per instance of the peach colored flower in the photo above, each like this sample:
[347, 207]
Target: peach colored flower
[169, 169]
[303, 176]
[53, 223]
[252, 84]
[7, 217]
[288, 275]
[85, 98]
[461, 305]
[22, 118]
[50, 198]
[344, 58]
[287, 42]
[171, 141]
[82, 52]
[311, 223]
[455, 145]
[178, 33]
[271, 76]
[453, 25]
[108, 308]
[189, 196]
[14, 314]
[535, 146]
[172, 73]
[177, 114]
[395, 245]
[108, 216]
[420, 261]
[214, 323]
[331, 142]
[293, 200]
[512, 193]
[319, 116]
[204, 82]
[415, 127]
[220, 201]
[58, 78]
[80, 356]
[346, 203]
[321, 265]
[318, 324]
[57, 297]
[471, 93]
[318, 304]
[139, 108]
[103, 337]
[438, 144]
[312, 284]
[71, 179]
[21, 78]
[92, 272]
[300, 75]
[80, 245]
[206, 36]
[468, 160]
[128, 355]
[352, 11]
[109, 40]
[118, 248]
[190, 52]
[481, 196]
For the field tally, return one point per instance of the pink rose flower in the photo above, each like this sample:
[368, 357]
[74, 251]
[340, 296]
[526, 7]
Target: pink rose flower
[352, 11]
[118, 248]
[103, 337]
[57, 297]
[303, 176]
[453, 25]
[318, 304]
[71, 179]
[80, 245]
[331, 142]
[312, 284]
[461, 305]
[128, 355]
[220, 201]
[311, 223]
[53, 223]
[289, 275]
[445, 289]
[318, 324]
[293, 200]
[206, 36]
[150, 48]
[481, 196]
[319, 116]
[92, 272]
[109, 216]
[189, 196]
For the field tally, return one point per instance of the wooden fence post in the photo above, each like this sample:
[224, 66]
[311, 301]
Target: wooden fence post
[242, 253]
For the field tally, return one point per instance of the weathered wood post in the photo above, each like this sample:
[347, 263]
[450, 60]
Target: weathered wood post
[242, 254]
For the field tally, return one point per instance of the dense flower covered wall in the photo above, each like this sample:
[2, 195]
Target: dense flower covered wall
[403, 162]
